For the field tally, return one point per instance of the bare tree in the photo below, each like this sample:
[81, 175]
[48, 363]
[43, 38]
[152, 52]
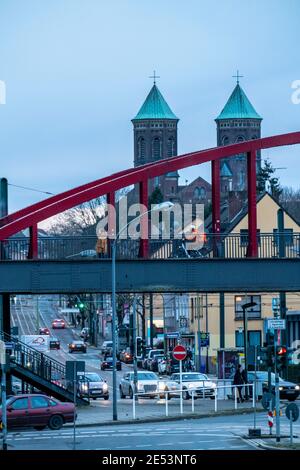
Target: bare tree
[290, 200]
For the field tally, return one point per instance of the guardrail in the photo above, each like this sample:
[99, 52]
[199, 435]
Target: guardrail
[192, 392]
[212, 245]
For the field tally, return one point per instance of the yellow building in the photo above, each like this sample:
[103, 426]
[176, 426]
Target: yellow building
[209, 304]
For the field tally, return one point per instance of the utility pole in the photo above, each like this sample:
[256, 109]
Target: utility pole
[135, 374]
[3, 394]
[37, 315]
[151, 320]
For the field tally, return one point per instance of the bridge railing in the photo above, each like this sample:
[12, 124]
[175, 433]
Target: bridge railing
[231, 246]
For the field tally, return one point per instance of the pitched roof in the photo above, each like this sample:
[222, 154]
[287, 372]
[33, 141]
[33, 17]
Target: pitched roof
[155, 107]
[238, 107]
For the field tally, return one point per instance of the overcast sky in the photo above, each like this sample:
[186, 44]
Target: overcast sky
[76, 73]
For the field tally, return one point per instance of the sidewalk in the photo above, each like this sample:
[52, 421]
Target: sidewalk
[99, 413]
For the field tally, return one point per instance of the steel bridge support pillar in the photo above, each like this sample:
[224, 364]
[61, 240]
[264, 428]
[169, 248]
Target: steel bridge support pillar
[33, 242]
[252, 215]
[5, 313]
[144, 242]
[216, 198]
[111, 219]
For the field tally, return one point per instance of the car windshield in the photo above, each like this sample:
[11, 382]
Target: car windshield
[108, 359]
[190, 377]
[145, 376]
[93, 378]
[263, 376]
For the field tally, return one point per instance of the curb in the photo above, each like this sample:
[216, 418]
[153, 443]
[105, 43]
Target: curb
[166, 418]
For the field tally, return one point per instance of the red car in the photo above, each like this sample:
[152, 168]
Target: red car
[44, 331]
[58, 323]
[37, 411]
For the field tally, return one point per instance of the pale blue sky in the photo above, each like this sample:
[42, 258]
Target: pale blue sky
[76, 72]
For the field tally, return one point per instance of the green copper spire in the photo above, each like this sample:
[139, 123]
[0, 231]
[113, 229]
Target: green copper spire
[238, 106]
[155, 107]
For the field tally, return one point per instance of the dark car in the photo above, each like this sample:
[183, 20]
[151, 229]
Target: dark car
[287, 390]
[172, 365]
[54, 343]
[37, 411]
[153, 363]
[126, 356]
[108, 364]
[77, 346]
[44, 331]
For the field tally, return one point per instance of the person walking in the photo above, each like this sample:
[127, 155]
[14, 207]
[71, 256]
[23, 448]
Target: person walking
[101, 245]
[245, 381]
[238, 380]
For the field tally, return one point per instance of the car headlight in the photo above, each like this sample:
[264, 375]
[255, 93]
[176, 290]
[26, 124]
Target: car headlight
[140, 387]
[280, 388]
[161, 386]
[85, 387]
[105, 387]
[297, 387]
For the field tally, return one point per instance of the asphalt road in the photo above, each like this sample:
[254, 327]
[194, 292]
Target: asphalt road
[218, 433]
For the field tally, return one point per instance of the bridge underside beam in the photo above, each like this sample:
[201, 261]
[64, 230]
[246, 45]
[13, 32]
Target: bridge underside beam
[215, 275]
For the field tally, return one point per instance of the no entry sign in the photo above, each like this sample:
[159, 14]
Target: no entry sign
[179, 352]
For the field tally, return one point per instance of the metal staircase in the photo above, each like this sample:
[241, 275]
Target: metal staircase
[41, 371]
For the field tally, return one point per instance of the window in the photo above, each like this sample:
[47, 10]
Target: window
[202, 192]
[39, 402]
[156, 148]
[225, 140]
[141, 148]
[244, 237]
[171, 147]
[287, 237]
[53, 403]
[252, 313]
[20, 404]
[240, 138]
[254, 338]
[197, 193]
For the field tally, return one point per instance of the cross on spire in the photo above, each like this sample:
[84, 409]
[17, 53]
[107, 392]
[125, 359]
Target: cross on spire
[237, 76]
[154, 76]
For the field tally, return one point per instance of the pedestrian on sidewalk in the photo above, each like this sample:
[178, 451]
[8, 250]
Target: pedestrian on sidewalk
[238, 380]
[101, 245]
[245, 381]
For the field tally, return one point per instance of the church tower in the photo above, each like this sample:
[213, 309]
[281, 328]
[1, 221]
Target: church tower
[155, 137]
[237, 122]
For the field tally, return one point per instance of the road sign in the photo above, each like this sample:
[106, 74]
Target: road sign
[204, 339]
[74, 369]
[266, 399]
[276, 324]
[292, 411]
[179, 352]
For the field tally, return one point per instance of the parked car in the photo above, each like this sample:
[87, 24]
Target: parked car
[162, 366]
[126, 356]
[93, 386]
[44, 331]
[16, 387]
[148, 384]
[151, 354]
[287, 390]
[37, 411]
[58, 323]
[199, 383]
[77, 346]
[106, 346]
[108, 364]
[54, 343]
[153, 366]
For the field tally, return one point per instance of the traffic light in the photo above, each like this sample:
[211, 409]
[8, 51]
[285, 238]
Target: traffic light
[139, 346]
[281, 357]
[266, 356]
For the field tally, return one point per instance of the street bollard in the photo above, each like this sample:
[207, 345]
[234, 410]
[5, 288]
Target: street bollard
[203, 390]
[193, 401]
[167, 403]
[235, 399]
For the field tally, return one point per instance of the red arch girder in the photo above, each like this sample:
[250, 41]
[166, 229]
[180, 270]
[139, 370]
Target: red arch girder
[54, 205]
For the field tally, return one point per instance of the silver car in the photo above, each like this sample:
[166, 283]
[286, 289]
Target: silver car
[93, 386]
[149, 385]
[193, 382]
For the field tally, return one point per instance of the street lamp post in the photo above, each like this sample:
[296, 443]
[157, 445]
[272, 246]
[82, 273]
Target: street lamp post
[163, 206]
